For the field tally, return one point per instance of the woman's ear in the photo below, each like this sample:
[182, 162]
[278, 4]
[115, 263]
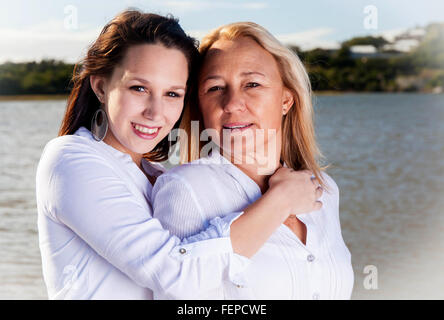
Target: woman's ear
[98, 86]
[287, 100]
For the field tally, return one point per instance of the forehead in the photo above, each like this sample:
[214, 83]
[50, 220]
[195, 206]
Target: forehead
[154, 63]
[242, 54]
[154, 58]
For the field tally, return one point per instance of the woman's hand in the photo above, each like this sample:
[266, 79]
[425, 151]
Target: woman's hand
[296, 190]
[289, 192]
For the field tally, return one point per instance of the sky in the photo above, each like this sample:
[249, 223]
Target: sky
[61, 29]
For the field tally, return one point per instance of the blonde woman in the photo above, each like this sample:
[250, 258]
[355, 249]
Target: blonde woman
[254, 94]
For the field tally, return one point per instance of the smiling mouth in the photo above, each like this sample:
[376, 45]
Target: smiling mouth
[145, 130]
[237, 126]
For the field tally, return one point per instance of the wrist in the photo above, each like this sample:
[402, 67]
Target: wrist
[280, 200]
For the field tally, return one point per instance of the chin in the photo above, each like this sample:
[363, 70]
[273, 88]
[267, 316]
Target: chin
[141, 148]
[240, 153]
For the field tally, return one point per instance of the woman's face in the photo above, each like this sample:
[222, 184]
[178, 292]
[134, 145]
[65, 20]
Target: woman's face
[241, 92]
[143, 97]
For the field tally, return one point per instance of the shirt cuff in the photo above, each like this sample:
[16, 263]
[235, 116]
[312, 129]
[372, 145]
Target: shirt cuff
[218, 243]
[223, 225]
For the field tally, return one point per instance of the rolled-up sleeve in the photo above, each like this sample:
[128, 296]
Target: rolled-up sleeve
[81, 191]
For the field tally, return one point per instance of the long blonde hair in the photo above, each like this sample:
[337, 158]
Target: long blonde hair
[299, 148]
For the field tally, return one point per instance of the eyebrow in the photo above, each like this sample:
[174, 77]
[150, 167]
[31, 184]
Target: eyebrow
[211, 77]
[148, 82]
[251, 73]
[243, 74]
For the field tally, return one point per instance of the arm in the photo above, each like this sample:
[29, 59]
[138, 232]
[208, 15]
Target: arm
[184, 211]
[179, 209]
[250, 231]
[81, 191]
[289, 192]
[77, 188]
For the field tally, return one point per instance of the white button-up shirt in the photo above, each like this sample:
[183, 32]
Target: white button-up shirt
[98, 239]
[284, 268]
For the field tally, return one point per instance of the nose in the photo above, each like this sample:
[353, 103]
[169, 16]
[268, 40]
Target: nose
[233, 101]
[153, 109]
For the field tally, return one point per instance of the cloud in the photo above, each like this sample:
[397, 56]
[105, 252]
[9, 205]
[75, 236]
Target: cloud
[309, 39]
[53, 40]
[50, 39]
[306, 40]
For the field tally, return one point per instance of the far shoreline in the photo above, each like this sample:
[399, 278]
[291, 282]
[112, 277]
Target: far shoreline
[34, 97]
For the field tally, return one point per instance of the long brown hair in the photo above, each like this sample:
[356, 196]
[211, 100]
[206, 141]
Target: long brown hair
[299, 148]
[128, 28]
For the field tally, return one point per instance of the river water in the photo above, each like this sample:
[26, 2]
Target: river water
[386, 153]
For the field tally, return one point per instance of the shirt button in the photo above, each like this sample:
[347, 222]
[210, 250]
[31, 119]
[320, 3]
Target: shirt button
[310, 258]
[316, 296]
[182, 250]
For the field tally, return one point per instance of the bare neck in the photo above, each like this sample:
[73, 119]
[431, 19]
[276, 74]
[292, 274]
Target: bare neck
[259, 172]
[111, 140]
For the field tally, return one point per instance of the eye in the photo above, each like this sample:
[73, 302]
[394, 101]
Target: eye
[173, 94]
[252, 85]
[215, 88]
[138, 88]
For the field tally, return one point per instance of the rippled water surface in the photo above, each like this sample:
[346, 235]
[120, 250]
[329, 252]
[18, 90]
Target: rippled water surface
[386, 155]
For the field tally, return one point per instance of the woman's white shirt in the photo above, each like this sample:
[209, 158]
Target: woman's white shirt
[98, 239]
[284, 268]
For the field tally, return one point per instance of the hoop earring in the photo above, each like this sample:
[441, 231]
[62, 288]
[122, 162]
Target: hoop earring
[99, 125]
